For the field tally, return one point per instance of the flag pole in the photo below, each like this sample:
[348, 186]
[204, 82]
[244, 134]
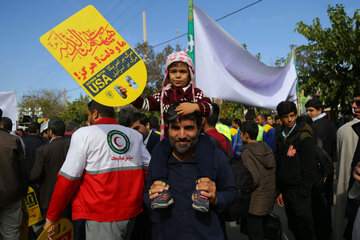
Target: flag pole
[191, 39]
[297, 82]
[191, 42]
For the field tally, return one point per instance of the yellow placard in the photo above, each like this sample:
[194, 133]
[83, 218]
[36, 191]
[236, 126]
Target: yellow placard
[64, 232]
[97, 57]
[24, 228]
[32, 207]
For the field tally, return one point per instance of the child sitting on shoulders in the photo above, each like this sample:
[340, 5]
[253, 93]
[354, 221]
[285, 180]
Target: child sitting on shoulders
[178, 86]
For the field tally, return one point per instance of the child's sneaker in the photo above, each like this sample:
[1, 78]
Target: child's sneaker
[162, 201]
[200, 202]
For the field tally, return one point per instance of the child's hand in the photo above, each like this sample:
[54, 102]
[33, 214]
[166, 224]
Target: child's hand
[187, 108]
[123, 90]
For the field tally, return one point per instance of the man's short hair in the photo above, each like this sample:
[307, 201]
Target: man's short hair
[277, 117]
[315, 104]
[154, 123]
[251, 128]
[104, 111]
[268, 115]
[356, 92]
[71, 126]
[33, 127]
[125, 115]
[171, 116]
[237, 121]
[214, 117]
[57, 126]
[7, 123]
[262, 116]
[225, 121]
[286, 107]
[0, 113]
[142, 118]
[250, 116]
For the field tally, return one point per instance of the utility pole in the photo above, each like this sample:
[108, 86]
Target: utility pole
[64, 99]
[177, 35]
[145, 35]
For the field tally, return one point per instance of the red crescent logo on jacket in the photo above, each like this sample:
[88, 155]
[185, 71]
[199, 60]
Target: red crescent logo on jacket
[118, 141]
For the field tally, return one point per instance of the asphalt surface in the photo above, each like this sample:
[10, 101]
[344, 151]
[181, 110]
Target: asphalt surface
[233, 229]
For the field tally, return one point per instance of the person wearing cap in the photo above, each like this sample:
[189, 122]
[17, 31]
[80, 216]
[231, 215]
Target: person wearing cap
[48, 160]
[178, 87]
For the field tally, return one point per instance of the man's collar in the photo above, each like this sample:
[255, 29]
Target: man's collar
[53, 138]
[147, 138]
[105, 121]
[4, 130]
[321, 115]
[284, 133]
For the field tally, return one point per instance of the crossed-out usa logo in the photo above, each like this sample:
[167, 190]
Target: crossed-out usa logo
[118, 141]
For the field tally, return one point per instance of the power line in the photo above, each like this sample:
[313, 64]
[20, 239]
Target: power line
[251, 4]
[182, 35]
[108, 13]
[123, 12]
[221, 18]
[132, 19]
[67, 91]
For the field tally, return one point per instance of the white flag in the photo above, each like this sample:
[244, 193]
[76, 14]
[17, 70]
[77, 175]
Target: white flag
[226, 70]
[8, 105]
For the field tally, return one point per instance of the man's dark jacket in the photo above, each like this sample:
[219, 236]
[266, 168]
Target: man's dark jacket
[153, 140]
[326, 131]
[48, 161]
[13, 177]
[296, 166]
[181, 221]
[32, 142]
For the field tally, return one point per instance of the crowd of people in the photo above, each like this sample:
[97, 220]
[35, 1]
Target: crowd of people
[133, 178]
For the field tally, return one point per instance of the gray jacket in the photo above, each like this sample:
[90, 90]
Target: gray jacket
[259, 159]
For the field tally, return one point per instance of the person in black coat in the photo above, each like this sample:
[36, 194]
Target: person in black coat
[140, 122]
[32, 141]
[48, 161]
[296, 171]
[326, 132]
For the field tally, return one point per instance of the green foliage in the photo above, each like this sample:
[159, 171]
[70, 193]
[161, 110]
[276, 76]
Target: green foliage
[48, 100]
[330, 63]
[76, 111]
[231, 110]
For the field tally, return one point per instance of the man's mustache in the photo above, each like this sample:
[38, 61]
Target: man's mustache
[183, 140]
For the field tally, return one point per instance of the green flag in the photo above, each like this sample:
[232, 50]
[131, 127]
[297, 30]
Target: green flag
[191, 39]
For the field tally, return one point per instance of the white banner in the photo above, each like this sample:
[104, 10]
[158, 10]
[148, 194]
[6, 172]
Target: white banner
[8, 105]
[226, 70]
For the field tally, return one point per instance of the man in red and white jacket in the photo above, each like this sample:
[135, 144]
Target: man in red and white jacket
[103, 176]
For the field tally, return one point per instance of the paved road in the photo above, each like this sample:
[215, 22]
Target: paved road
[233, 229]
